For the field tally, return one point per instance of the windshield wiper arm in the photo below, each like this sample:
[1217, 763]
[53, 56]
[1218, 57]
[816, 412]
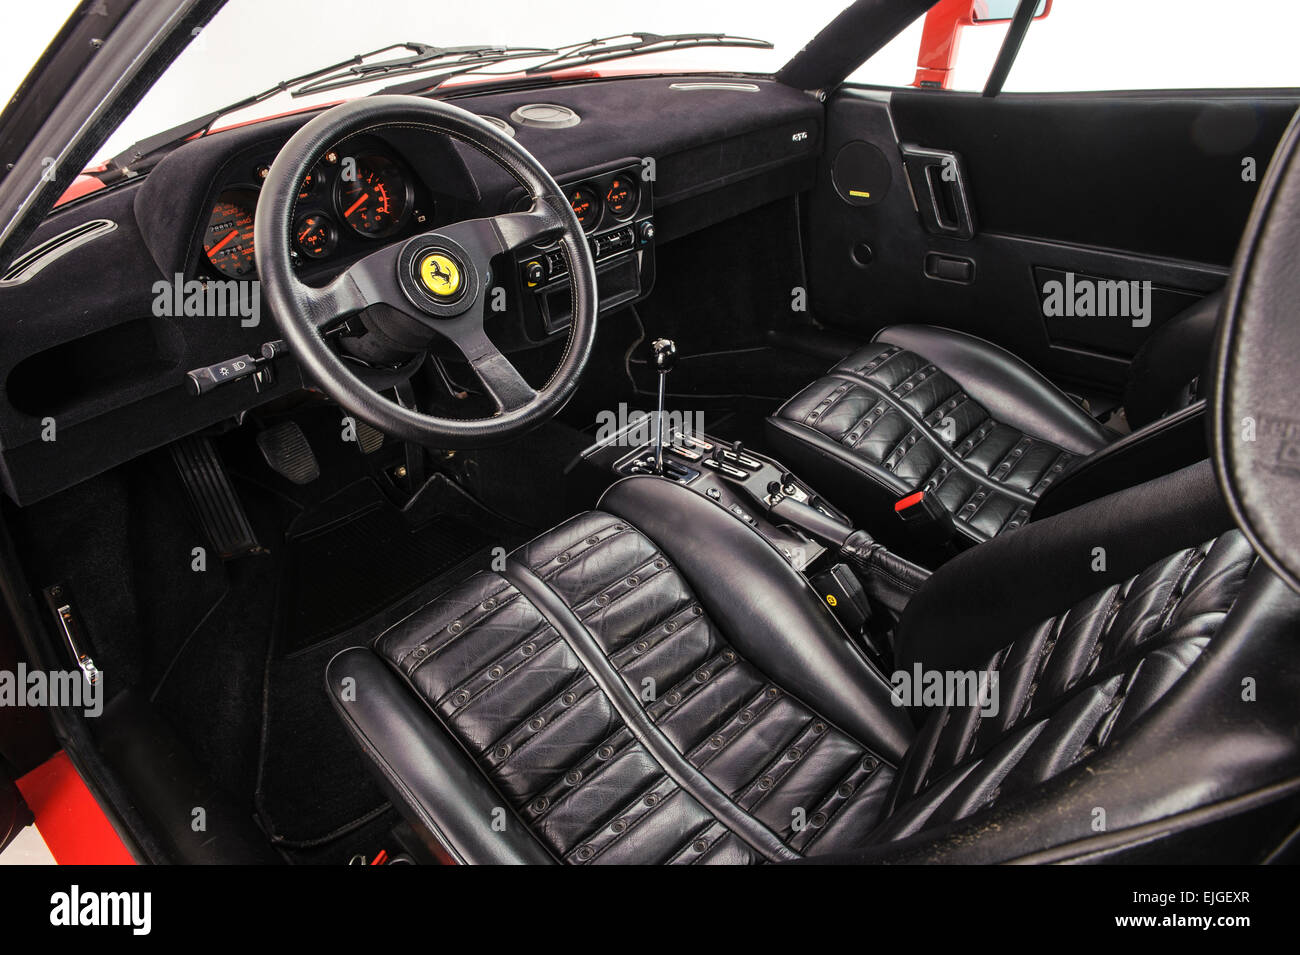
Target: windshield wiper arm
[639, 44]
[423, 57]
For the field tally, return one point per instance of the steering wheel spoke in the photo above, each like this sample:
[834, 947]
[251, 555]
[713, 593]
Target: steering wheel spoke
[493, 235]
[499, 377]
[364, 283]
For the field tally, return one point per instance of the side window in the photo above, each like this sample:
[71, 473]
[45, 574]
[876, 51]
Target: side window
[1086, 45]
[1159, 44]
[896, 63]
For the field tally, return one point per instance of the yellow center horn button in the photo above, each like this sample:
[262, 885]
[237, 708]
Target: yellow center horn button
[440, 274]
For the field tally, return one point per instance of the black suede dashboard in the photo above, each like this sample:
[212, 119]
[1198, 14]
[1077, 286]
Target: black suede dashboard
[93, 377]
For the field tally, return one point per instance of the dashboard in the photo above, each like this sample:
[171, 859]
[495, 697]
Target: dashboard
[87, 353]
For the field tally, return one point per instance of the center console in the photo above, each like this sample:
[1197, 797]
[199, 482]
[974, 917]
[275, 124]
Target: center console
[743, 482]
[615, 207]
[850, 571]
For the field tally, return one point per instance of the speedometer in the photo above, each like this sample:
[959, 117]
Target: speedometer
[229, 238]
[374, 196]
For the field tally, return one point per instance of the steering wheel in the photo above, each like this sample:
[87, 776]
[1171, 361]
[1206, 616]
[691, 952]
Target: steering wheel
[433, 285]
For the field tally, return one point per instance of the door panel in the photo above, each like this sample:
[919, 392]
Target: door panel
[1115, 186]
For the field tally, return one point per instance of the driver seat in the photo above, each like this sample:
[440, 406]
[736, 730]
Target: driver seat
[651, 682]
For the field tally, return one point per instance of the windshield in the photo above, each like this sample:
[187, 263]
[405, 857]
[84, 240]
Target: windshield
[251, 45]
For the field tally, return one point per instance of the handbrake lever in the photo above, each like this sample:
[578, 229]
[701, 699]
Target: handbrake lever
[887, 577]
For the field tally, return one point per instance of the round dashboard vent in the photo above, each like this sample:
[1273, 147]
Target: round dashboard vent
[500, 124]
[545, 116]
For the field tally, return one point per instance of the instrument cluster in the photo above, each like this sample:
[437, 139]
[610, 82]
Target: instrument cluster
[349, 200]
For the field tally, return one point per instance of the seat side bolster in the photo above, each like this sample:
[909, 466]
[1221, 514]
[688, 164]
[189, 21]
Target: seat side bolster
[422, 768]
[766, 609]
[1010, 390]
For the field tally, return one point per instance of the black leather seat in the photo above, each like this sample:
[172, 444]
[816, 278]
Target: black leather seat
[930, 408]
[652, 682]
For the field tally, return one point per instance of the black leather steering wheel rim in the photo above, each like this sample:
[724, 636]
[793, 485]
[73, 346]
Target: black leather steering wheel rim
[388, 276]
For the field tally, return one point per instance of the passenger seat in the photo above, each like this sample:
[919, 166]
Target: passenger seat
[983, 433]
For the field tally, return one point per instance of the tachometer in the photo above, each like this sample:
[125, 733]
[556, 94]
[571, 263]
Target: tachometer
[376, 200]
[229, 239]
[586, 206]
[621, 197]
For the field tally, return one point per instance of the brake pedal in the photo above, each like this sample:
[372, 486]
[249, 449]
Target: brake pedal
[370, 439]
[215, 504]
[285, 449]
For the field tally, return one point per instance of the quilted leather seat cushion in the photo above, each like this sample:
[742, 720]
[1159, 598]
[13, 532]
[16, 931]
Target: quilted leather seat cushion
[892, 420]
[511, 689]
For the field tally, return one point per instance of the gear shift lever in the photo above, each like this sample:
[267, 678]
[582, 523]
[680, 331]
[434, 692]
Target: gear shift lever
[665, 357]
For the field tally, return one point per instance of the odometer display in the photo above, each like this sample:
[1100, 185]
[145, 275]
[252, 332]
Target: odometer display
[621, 196]
[377, 200]
[228, 241]
[586, 206]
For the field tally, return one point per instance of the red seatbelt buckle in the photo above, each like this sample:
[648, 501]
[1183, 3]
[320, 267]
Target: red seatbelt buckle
[919, 506]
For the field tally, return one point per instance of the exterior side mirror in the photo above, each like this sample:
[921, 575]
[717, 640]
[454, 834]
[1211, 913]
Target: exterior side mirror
[1000, 11]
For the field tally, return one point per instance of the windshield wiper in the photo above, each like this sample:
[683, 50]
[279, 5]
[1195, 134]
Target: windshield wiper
[423, 57]
[638, 44]
[590, 51]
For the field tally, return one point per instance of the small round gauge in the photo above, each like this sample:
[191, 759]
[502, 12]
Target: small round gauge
[374, 197]
[310, 183]
[586, 206]
[315, 235]
[229, 238]
[621, 197]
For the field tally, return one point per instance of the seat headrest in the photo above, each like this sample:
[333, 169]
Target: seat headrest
[1255, 400]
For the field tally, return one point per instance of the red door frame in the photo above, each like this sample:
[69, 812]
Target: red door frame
[941, 38]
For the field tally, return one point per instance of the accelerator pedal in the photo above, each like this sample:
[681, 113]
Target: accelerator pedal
[287, 453]
[215, 505]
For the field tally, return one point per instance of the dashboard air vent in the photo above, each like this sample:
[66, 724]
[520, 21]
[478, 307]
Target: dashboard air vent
[545, 116]
[29, 263]
[500, 124]
[715, 86]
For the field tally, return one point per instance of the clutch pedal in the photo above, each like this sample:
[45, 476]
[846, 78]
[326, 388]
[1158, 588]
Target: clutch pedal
[217, 508]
